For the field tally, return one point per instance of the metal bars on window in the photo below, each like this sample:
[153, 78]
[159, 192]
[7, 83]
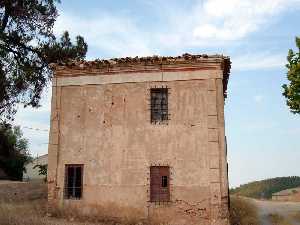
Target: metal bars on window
[159, 105]
[73, 181]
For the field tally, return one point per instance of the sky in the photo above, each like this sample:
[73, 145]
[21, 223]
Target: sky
[262, 134]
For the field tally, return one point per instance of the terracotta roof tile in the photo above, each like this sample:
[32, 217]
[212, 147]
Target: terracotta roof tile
[116, 65]
[138, 60]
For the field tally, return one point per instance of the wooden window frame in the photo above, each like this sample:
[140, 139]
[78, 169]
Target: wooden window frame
[67, 194]
[159, 192]
[159, 103]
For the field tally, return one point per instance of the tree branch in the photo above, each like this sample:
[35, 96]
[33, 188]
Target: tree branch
[5, 19]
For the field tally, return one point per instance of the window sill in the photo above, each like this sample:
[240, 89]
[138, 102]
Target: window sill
[160, 123]
[72, 199]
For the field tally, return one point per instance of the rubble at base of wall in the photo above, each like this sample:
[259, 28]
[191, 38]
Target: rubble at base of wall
[95, 213]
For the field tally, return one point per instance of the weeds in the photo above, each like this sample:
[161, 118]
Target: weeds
[243, 212]
[35, 213]
[296, 216]
[26, 213]
[277, 219]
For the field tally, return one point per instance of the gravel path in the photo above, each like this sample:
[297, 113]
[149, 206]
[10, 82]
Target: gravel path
[284, 209]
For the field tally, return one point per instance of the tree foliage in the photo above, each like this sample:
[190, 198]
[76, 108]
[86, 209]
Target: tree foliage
[42, 170]
[265, 188]
[27, 48]
[13, 151]
[292, 90]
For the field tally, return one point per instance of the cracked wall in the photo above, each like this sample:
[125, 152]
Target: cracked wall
[107, 128]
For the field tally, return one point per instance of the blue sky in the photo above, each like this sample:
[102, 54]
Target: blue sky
[263, 136]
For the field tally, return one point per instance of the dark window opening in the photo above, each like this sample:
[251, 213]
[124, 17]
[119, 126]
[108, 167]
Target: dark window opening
[159, 184]
[73, 181]
[159, 104]
[164, 181]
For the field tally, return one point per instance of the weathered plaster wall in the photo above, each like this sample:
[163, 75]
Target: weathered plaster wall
[107, 128]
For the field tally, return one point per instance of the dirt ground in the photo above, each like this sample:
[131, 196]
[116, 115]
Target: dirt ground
[23, 203]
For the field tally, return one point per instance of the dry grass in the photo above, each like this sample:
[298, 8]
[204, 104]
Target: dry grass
[74, 214]
[26, 213]
[295, 216]
[23, 203]
[277, 219]
[243, 212]
[35, 213]
[26, 204]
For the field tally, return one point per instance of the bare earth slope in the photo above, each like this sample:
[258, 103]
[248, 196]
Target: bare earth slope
[285, 209]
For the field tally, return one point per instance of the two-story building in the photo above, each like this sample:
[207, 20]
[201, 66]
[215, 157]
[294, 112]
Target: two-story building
[141, 139]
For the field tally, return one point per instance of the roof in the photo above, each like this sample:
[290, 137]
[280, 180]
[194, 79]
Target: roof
[145, 64]
[43, 159]
[287, 192]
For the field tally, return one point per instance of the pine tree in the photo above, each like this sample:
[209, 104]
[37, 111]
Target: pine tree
[292, 90]
[27, 48]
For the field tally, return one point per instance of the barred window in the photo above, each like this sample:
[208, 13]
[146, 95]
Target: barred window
[73, 181]
[159, 184]
[159, 105]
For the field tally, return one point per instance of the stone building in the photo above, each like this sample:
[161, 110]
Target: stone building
[141, 139]
[291, 195]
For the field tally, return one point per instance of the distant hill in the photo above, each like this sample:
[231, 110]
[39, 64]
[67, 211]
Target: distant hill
[265, 188]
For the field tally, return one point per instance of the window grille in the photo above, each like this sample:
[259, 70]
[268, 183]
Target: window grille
[159, 184]
[73, 181]
[159, 105]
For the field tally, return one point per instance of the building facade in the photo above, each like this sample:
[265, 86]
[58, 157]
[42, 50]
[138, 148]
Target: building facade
[290, 195]
[32, 172]
[141, 139]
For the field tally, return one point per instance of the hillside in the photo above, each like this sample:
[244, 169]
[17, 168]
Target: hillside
[265, 188]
